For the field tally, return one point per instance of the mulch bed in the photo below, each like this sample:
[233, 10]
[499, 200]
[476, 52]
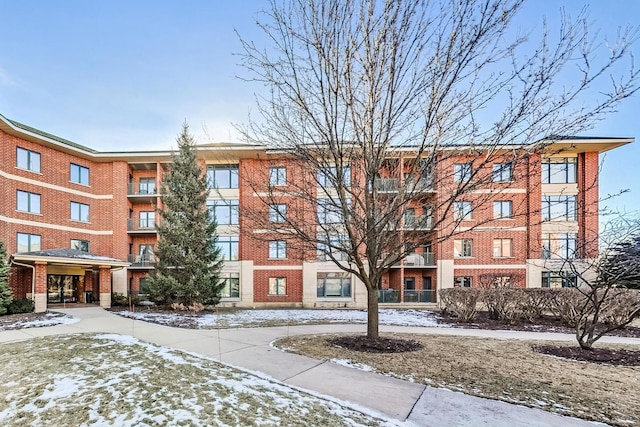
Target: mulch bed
[15, 321]
[375, 345]
[620, 357]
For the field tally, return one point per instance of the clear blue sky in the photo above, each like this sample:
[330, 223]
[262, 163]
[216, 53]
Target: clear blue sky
[120, 75]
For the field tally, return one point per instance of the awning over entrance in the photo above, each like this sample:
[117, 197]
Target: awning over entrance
[68, 275]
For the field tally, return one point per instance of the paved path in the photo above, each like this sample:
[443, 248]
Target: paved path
[249, 348]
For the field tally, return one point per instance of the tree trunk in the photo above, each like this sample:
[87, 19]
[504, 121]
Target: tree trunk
[372, 314]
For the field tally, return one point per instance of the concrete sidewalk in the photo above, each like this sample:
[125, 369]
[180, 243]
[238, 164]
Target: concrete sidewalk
[249, 348]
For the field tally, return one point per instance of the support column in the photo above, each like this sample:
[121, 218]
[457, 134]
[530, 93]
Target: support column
[40, 297]
[105, 286]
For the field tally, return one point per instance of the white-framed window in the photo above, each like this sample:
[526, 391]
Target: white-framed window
[231, 288]
[463, 282]
[278, 176]
[225, 212]
[229, 249]
[222, 176]
[462, 172]
[27, 159]
[559, 245]
[328, 176]
[277, 249]
[558, 279]
[462, 211]
[463, 248]
[28, 202]
[278, 212]
[502, 172]
[277, 285]
[503, 209]
[28, 242]
[336, 285]
[80, 245]
[79, 174]
[502, 248]
[559, 170]
[147, 219]
[559, 208]
[79, 212]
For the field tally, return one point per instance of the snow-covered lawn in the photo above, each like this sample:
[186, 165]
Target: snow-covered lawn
[117, 380]
[270, 317]
[31, 320]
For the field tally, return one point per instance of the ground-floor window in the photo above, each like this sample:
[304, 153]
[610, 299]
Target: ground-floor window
[277, 285]
[231, 287]
[463, 282]
[334, 285]
[143, 286]
[558, 279]
[63, 288]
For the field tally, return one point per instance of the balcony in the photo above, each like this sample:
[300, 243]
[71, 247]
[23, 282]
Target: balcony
[393, 296]
[141, 261]
[142, 226]
[142, 192]
[420, 260]
[418, 223]
[392, 185]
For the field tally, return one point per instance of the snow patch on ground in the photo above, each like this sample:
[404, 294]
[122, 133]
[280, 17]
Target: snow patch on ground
[348, 363]
[49, 319]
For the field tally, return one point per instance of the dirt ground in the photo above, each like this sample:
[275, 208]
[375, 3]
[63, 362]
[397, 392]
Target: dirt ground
[507, 370]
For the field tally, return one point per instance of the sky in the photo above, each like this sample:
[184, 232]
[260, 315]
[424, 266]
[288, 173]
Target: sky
[124, 75]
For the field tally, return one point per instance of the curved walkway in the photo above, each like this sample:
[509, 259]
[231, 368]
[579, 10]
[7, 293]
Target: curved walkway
[249, 348]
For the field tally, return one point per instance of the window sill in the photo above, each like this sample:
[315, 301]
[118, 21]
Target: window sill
[276, 259]
[79, 221]
[79, 183]
[277, 295]
[32, 213]
[28, 170]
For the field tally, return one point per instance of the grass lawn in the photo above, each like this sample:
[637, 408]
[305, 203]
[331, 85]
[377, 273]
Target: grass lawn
[507, 370]
[117, 380]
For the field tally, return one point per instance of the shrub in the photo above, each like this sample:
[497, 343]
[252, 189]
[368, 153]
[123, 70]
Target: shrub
[24, 305]
[505, 304]
[460, 302]
[123, 300]
[536, 303]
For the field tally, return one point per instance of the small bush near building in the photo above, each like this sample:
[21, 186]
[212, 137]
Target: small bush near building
[460, 302]
[123, 300]
[24, 305]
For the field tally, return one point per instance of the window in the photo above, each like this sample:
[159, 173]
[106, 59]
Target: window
[228, 247]
[324, 249]
[28, 202]
[463, 248]
[143, 286]
[334, 285]
[146, 254]
[79, 212]
[558, 279]
[462, 211]
[502, 248]
[231, 288]
[278, 176]
[463, 282]
[559, 208]
[559, 245]
[502, 209]
[462, 172]
[147, 186]
[502, 172]
[277, 285]
[79, 174]
[328, 177]
[27, 159]
[28, 242]
[559, 170]
[147, 219]
[222, 176]
[277, 249]
[277, 213]
[330, 211]
[80, 245]
[224, 211]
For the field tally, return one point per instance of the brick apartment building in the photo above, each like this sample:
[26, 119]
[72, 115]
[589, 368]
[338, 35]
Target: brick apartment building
[80, 225]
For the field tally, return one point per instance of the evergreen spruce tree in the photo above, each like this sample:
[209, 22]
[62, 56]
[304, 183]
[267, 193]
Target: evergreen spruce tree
[189, 262]
[5, 291]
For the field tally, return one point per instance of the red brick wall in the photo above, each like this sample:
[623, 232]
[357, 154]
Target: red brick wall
[588, 167]
[261, 286]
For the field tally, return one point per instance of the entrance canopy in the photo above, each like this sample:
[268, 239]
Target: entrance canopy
[67, 257]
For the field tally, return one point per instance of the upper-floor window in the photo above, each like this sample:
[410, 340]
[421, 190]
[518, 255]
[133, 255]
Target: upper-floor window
[147, 219]
[559, 208]
[79, 212]
[502, 209]
[502, 248]
[330, 211]
[559, 245]
[228, 247]
[332, 248]
[462, 211]
[28, 202]
[462, 172]
[278, 176]
[231, 288]
[79, 174]
[558, 279]
[278, 249]
[559, 170]
[463, 248]
[222, 176]
[27, 159]
[328, 177]
[28, 242]
[278, 212]
[224, 211]
[147, 186]
[502, 172]
[80, 245]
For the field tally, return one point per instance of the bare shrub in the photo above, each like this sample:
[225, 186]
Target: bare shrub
[535, 304]
[460, 302]
[565, 304]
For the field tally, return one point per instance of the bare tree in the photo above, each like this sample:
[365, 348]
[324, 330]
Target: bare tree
[600, 303]
[392, 111]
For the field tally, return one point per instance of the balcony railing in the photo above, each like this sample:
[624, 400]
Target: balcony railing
[141, 261]
[418, 223]
[144, 189]
[142, 225]
[391, 185]
[417, 260]
[393, 296]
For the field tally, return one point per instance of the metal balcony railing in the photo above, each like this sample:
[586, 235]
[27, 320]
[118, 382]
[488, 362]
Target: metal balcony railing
[391, 296]
[391, 185]
[141, 189]
[144, 261]
[422, 222]
[423, 259]
[142, 225]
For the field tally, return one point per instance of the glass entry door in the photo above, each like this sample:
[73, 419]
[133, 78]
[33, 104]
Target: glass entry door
[62, 288]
